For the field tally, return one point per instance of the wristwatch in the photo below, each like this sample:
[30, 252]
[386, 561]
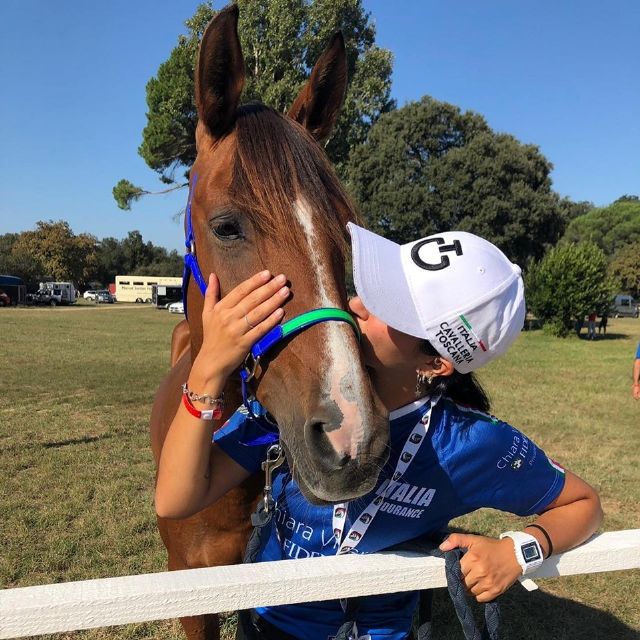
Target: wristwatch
[527, 548]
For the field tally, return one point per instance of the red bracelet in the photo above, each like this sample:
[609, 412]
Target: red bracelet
[207, 414]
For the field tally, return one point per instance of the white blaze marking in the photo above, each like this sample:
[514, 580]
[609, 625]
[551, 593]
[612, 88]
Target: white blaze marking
[343, 371]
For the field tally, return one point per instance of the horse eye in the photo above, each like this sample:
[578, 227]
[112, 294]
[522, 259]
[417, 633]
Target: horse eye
[226, 229]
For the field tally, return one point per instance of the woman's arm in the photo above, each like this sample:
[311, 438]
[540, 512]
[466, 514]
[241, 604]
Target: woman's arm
[490, 566]
[571, 518]
[192, 472]
[636, 379]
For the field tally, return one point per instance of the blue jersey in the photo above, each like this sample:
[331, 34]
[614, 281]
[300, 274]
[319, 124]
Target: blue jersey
[467, 460]
[638, 351]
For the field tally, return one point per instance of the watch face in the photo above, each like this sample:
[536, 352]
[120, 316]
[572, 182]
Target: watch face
[530, 552]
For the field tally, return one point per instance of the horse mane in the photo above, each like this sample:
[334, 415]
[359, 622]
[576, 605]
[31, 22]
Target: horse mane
[278, 162]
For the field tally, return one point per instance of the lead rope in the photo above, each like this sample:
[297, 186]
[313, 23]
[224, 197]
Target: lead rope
[457, 593]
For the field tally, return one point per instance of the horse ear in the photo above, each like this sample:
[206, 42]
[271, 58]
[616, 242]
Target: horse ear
[220, 73]
[318, 104]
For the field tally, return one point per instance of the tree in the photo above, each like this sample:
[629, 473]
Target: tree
[136, 253]
[133, 255]
[570, 281]
[625, 268]
[609, 227]
[110, 260]
[164, 264]
[429, 167]
[281, 40]
[57, 252]
[573, 210]
[16, 263]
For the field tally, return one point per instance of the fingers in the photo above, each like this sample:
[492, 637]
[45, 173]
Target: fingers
[458, 540]
[240, 292]
[486, 596]
[267, 311]
[247, 312]
[266, 325]
[251, 305]
[212, 294]
[478, 586]
[250, 294]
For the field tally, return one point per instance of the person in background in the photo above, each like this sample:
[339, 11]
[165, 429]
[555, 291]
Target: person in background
[591, 325]
[635, 389]
[604, 320]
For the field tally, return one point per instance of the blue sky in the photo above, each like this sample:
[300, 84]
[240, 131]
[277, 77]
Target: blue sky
[561, 74]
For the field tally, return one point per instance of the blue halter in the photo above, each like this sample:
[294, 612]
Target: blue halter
[277, 335]
[191, 265]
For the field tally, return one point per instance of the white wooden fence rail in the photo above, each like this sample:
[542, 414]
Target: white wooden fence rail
[52, 608]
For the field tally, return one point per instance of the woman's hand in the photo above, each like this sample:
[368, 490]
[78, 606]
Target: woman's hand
[489, 566]
[232, 325]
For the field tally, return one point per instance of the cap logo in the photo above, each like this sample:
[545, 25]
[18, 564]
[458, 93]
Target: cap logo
[454, 247]
[468, 325]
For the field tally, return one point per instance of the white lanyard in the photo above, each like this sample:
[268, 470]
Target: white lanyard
[360, 526]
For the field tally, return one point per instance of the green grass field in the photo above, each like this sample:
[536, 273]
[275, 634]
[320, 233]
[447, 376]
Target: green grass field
[76, 471]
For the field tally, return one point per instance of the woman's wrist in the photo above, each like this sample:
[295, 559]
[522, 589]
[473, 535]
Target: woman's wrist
[545, 541]
[207, 385]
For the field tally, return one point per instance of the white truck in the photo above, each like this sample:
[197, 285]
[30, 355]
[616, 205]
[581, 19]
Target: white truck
[60, 292]
[625, 305]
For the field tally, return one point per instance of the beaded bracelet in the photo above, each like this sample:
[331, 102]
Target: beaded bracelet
[207, 414]
[206, 399]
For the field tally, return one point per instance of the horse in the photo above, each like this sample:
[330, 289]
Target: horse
[263, 195]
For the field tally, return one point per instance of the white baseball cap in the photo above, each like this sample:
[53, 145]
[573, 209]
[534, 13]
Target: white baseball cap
[454, 289]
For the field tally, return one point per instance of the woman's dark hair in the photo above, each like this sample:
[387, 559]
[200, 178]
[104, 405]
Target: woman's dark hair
[463, 388]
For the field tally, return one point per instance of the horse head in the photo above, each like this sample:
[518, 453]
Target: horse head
[264, 196]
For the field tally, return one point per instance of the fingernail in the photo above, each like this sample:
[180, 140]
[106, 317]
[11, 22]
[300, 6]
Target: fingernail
[284, 291]
[281, 278]
[265, 273]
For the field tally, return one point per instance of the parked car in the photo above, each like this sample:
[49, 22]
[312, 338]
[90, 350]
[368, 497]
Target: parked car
[625, 305]
[176, 307]
[89, 294]
[49, 297]
[104, 296]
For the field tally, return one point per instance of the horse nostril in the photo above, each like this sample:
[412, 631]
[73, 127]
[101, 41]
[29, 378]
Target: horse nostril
[333, 449]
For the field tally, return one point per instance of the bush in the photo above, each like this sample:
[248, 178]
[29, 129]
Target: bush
[569, 282]
[625, 267]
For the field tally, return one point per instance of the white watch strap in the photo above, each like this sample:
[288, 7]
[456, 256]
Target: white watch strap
[527, 549]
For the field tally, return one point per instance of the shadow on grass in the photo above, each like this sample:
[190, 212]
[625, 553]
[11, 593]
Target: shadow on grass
[535, 616]
[72, 441]
[609, 336]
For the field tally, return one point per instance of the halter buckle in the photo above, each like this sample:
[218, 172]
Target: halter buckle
[250, 366]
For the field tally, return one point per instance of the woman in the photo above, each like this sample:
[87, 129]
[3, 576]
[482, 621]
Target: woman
[431, 312]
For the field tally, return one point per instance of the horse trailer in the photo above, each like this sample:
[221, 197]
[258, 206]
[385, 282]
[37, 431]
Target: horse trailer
[162, 295]
[140, 288]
